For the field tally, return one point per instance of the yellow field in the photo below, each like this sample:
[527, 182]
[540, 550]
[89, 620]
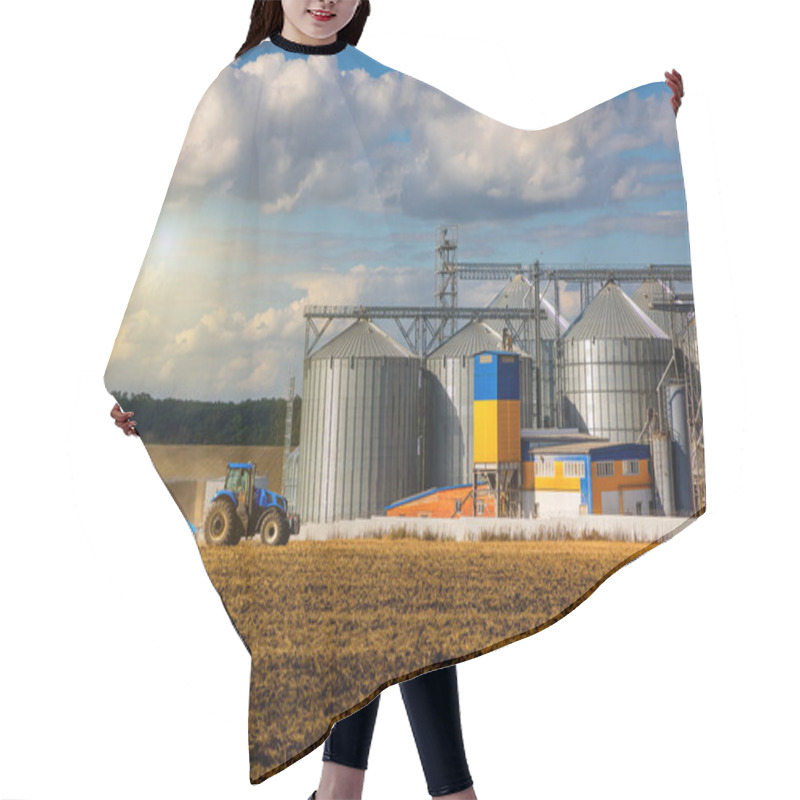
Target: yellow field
[329, 624]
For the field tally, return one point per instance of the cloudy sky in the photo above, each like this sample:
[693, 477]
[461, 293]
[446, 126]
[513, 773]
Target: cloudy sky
[322, 179]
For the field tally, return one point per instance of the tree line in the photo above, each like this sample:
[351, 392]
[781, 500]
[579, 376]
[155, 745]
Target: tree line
[171, 421]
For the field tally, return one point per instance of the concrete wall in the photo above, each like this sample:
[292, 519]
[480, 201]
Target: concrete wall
[624, 527]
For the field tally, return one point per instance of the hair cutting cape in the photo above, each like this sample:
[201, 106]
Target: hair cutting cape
[488, 339]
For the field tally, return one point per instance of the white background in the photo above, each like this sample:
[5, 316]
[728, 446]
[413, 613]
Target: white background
[121, 675]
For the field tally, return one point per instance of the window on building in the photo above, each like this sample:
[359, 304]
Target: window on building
[544, 469]
[605, 469]
[458, 506]
[630, 467]
[479, 508]
[573, 469]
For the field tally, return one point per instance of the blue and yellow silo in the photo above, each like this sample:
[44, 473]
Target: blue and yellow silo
[496, 412]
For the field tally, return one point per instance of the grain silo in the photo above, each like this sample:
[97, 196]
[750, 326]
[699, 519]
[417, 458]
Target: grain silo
[654, 290]
[358, 428]
[614, 357]
[661, 461]
[518, 293]
[449, 396]
[290, 471]
[681, 458]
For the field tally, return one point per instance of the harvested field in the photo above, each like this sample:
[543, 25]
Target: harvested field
[331, 623]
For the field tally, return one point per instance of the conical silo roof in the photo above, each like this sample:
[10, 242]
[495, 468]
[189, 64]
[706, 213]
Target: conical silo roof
[613, 315]
[654, 291]
[474, 337]
[518, 293]
[363, 339]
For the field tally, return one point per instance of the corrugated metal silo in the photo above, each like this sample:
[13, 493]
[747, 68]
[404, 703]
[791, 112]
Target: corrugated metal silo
[449, 395]
[661, 459]
[518, 293]
[687, 345]
[681, 459]
[655, 291]
[290, 478]
[614, 357]
[358, 429]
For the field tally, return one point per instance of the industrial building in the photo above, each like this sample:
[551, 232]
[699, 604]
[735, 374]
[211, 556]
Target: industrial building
[533, 473]
[586, 477]
[447, 502]
[561, 480]
[513, 414]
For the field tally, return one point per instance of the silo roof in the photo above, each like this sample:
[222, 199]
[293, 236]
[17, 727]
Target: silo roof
[474, 337]
[517, 293]
[655, 291]
[363, 339]
[613, 315]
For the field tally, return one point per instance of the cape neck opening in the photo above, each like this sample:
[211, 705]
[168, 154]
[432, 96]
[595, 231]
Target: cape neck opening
[316, 49]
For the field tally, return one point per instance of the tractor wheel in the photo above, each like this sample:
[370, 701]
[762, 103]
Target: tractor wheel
[274, 528]
[222, 524]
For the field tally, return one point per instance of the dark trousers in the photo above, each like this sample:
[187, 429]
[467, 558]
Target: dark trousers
[431, 701]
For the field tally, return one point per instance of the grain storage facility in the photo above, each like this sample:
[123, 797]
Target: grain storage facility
[449, 397]
[614, 358]
[585, 476]
[359, 426]
[518, 293]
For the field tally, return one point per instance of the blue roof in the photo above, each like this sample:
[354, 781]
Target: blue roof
[621, 450]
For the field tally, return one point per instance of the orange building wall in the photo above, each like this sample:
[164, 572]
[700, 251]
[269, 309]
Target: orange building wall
[619, 482]
[442, 504]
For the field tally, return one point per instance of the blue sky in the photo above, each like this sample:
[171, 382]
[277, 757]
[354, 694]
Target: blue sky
[322, 180]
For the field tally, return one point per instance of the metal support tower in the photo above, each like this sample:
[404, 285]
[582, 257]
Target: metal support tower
[446, 287]
[537, 342]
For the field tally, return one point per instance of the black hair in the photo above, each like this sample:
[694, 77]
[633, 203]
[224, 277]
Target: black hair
[266, 18]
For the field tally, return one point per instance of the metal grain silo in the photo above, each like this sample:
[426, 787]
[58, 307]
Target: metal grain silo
[661, 460]
[518, 293]
[358, 429]
[654, 290]
[290, 472]
[614, 357]
[681, 458]
[449, 395]
[690, 365]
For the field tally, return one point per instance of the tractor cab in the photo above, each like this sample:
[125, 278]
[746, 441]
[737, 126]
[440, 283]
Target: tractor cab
[239, 483]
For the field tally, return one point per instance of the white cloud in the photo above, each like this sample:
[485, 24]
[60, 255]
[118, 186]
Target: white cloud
[226, 353]
[657, 223]
[193, 328]
[325, 136]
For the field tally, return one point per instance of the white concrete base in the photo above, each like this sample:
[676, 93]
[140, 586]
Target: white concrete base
[616, 527]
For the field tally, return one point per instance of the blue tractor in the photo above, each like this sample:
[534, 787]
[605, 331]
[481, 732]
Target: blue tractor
[241, 510]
